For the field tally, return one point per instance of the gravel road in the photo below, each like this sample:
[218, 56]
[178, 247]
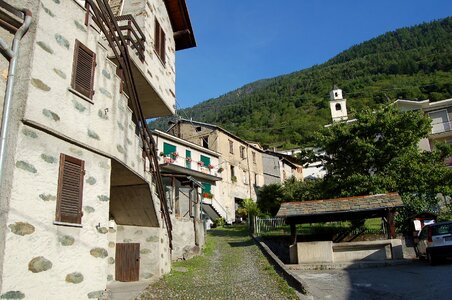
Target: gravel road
[232, 267]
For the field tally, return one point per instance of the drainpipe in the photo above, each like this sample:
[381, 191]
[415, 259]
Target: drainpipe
[11, 55]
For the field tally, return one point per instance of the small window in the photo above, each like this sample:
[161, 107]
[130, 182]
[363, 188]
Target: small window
[198, 128]
[245, 177]
[338, 106]
[231, 147]
[254, 157]
[242, 152]
[169, 149]
[70, 190]
[255, 179]
[159, 42]
[335, 94]
[205, 141]
[83, 70]
[232, 172]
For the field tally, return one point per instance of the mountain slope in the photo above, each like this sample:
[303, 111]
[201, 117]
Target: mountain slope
[285, 111]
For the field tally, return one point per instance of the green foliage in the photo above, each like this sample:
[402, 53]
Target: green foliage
[285, 111]
[219, 222]
[269, 198]
[250, 206]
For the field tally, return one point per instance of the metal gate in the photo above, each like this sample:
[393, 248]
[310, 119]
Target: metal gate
[127, 262]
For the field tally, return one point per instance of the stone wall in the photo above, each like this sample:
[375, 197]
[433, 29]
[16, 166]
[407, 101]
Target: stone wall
[184, 237]
[43, 260]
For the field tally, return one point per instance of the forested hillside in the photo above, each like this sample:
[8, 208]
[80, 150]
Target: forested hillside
[285, 111]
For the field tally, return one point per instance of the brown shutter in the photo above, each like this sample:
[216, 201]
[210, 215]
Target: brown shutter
[157, 37]
[162, 46]
[83, 70]
[160, 42]
[70, 190]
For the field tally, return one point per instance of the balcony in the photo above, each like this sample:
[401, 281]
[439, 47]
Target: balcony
[441, 128]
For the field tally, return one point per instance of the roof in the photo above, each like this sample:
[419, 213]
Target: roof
[424, 104]
[175, 169]
[180, 21]
[342, 208]
[186, 143]
[212, 126]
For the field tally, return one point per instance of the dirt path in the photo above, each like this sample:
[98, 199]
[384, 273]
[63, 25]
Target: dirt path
[232, 267]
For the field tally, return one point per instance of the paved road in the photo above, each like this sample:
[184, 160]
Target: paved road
[232, 268]
[418, 280]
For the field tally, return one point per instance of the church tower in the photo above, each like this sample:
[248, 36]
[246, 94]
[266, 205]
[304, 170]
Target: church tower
[338, 105]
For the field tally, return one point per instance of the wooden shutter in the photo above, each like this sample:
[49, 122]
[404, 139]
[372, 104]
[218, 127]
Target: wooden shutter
[159, 42]
[70, 190]
[83, 70]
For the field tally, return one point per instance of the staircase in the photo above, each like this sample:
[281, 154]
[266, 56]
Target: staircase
[214, 209]
[104, 18]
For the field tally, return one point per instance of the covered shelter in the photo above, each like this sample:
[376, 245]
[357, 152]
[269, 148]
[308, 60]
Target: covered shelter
[340, 209]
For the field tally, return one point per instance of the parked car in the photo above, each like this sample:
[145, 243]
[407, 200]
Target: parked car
[434, 242]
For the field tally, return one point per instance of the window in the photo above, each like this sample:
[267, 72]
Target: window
[254, 157]
[255, 179]
[233, 178]
[205, 141]
[159, 42]
[205, 160]
[242, 152]
[70, 190]
[198, 128]
[245, 177]
[83, 70]
[231, 147]
[188, 159]
[338, 106]
[168, 149]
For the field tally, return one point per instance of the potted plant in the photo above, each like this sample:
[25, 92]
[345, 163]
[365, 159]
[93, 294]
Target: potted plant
[162, 154]
[210, 167]
[188, 159]
[174, 155]
[220, 169]
[234, 178]
[168, 160]
[207, 195]
[200, 163]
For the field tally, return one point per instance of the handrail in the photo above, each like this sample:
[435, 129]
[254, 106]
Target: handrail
[108, 24]
[133, 29]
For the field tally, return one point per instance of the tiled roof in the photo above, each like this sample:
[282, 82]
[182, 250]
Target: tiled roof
[340, 205]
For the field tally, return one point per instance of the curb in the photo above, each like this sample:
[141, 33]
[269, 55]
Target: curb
[280, 268]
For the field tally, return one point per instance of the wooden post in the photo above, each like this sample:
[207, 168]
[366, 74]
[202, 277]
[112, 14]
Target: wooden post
[293, 233]
[391, 224]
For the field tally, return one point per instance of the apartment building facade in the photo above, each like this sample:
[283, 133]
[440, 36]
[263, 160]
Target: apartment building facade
[81, 201]
[242, 168]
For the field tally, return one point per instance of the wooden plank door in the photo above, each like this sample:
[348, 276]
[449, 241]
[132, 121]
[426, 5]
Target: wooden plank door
[127, 262]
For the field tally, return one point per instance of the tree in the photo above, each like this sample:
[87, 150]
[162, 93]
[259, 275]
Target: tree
[378, 153]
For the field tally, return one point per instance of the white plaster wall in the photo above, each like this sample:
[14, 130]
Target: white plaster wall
[33, 201]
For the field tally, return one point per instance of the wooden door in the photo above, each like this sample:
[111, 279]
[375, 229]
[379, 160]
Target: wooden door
[127, 262]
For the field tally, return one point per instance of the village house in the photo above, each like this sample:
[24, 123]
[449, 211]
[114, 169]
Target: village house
[82, 199]
[441, 114]
[192, 180]
[241, 161]
[279, 167]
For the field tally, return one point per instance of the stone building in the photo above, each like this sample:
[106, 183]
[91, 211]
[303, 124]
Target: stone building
[192, 180]
[240, 160]
[82, 201]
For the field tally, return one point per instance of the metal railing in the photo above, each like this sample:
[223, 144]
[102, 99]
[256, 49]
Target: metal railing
[104, 18]
[268, 224]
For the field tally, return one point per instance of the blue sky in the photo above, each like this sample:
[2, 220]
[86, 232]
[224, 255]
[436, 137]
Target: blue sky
[240, 41]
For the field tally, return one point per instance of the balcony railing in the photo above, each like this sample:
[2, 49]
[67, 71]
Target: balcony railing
[441, 127]
[132, 33]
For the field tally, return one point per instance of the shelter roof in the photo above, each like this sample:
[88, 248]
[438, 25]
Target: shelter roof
[340, 208]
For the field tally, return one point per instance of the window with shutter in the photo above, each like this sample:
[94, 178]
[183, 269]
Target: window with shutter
[83, 70]
[159, 42]
[70, 190]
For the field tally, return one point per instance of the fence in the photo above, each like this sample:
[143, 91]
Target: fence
[268, 224]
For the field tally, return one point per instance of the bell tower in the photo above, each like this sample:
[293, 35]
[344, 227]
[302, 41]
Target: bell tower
[338, 105]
